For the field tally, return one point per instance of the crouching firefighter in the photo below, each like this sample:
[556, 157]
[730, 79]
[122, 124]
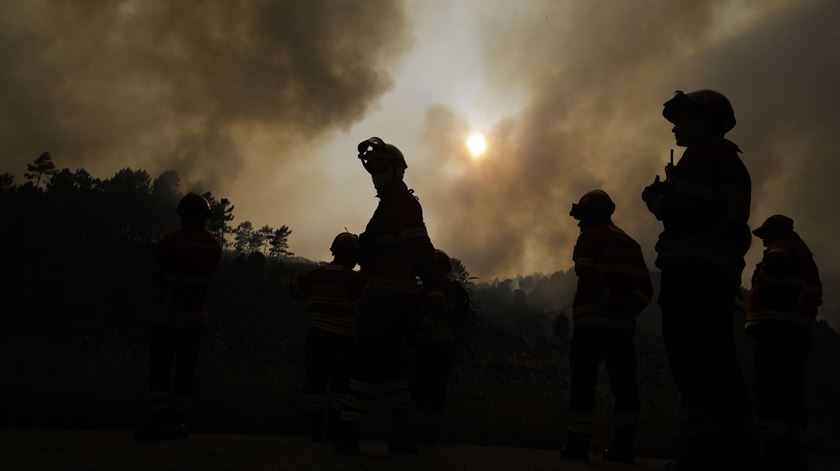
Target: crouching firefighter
[186, 262]
[330, 293]
[394, 249]
[613, 288]
[786, 292]
[444, 305]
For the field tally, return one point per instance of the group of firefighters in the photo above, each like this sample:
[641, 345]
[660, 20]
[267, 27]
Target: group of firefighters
[387, 331]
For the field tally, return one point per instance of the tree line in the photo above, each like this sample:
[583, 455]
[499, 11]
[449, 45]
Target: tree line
[130, 205]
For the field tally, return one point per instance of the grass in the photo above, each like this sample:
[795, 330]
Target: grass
[98, 381]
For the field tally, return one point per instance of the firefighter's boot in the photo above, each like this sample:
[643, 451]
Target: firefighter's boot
[333, 424]
[162, 432]
[799, 457]
[577, 448]
[621, 449]
[404, 441]
[316, 426]
[347, 442]
[429, 429]
[783, 454]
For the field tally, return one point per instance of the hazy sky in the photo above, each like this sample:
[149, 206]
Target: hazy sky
[265, 101]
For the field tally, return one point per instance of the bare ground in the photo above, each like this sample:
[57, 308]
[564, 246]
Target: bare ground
[62, 450]
[116, 450]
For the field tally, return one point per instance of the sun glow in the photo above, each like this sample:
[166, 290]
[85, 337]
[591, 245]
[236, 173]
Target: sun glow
[476, 144]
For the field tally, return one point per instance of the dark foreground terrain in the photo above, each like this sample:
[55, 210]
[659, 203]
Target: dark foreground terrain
[106, 450]
[73, 349]
[73, 450]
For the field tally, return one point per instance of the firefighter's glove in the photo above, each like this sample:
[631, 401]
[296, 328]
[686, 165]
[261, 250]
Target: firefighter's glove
[654, 194]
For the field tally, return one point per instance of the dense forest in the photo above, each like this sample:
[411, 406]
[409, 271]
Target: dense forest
[128, 206]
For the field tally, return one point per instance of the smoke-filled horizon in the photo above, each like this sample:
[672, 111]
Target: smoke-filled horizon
[191, 86]
[265, 101]
[596, 79]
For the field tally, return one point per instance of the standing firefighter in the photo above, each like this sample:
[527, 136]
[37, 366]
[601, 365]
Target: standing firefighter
[394, 250]
[186, 261]
[704, 204]
[613, 288]
[330, 293]
[786, 292]
[443, 307]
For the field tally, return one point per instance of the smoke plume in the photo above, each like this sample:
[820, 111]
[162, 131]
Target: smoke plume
[596, 79]
[188, 85]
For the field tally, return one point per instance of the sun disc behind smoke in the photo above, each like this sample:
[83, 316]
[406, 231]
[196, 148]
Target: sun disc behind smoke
[476, 144]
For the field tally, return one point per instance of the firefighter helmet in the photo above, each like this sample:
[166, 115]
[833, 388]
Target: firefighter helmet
[774, 224]
[344, 243]
[596, 203]
[442, 263]
[192, 205]
[708, 102]
[376, 150]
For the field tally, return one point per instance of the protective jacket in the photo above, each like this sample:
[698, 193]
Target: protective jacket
[186, 261]
[785, 284]
[704, 207]
[395, 248]
[330, 293]
[613, 281]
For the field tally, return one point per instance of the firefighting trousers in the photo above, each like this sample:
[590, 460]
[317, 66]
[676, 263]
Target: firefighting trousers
[698, 330]
[589, 345]
[430, 374]
[327, 369]
[780, 352]
[380, 361]
[173, 355]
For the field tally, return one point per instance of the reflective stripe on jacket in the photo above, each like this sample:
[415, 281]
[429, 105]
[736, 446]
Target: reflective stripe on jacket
[395, 248]
[330, 293]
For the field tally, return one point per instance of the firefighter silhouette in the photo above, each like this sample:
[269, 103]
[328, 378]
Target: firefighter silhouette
[786, 292]
[186, 262]
[443, 308]
[330, 293]
[393, 250]
[613, 288]
[704, 204]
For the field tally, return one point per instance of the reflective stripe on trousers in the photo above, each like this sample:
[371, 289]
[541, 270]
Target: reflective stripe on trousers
[361, 397]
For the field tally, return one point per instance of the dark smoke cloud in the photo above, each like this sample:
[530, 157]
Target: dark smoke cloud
[160, 84]
[597, 78]
[785, 74]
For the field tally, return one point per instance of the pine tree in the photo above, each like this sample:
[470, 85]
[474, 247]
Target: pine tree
[243, 235]
[279, 243]
[265, 235]
[219, 222]
[43, 165]
[7, 180]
